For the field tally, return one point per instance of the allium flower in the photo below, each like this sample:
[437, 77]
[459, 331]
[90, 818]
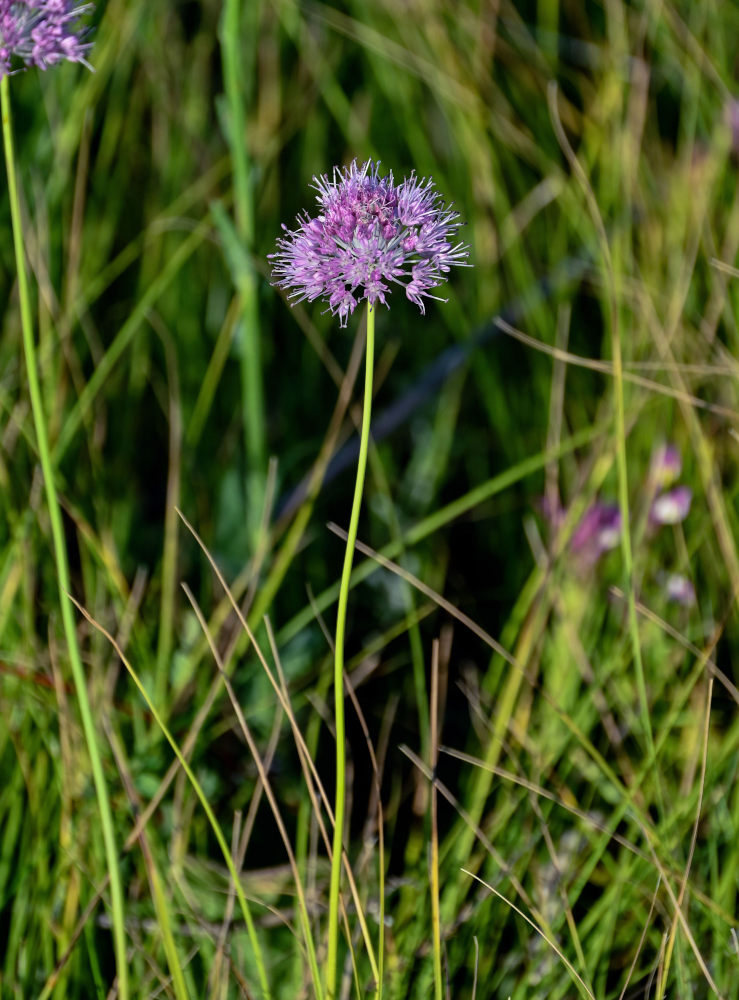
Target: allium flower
[369, 233]
[41, 33]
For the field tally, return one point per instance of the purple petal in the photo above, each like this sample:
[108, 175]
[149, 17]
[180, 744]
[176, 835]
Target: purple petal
[679, 589]
[666, 465]
[41, 33]
[598, 531]
[671, 507]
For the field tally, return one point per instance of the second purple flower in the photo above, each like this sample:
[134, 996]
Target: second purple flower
[369, 234]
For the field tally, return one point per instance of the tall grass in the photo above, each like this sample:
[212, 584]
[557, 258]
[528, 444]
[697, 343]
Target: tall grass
[542, 752]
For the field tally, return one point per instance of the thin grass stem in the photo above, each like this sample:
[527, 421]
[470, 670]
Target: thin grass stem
[620, 435]
[60, 556]
[332, 959]
[125, 335]
[435, 894]
[274, 806]
[198, 789]
[252, 391]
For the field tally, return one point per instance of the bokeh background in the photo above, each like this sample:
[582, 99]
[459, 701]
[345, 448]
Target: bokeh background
[154, 189]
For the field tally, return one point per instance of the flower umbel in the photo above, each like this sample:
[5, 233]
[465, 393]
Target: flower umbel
[368, 234]
[41, 33]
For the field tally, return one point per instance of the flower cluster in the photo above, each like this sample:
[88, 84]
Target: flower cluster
[669, 506]
[599, 528]
[41, 33]
[368, 234]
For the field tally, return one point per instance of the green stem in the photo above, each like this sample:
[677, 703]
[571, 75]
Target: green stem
[60, 555]
[433, 761]
[628, 558]
[620, 429]
[232, 48]
[332, 960]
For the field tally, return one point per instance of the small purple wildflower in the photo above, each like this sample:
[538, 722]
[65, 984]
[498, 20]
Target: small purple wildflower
[680, 590]
[666, 465]
[369, 233]
[41, 33]
[671, 507]
[598, 531]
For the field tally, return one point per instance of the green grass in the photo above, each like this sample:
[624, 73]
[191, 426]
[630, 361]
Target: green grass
[582, 730]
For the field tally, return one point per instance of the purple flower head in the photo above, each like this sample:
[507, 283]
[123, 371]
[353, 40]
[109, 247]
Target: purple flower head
[666, 465]
[369, 233]
[598, 531]
[680, 590]
[671, 507]
[41, 33]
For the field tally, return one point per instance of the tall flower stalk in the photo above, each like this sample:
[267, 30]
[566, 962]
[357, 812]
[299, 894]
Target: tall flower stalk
[333, 904]
[369, 235]
[41, 33]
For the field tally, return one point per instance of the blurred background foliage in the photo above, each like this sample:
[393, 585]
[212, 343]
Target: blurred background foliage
[149, 288]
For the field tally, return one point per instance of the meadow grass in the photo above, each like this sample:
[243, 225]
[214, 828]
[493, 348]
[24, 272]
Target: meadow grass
[542, 796]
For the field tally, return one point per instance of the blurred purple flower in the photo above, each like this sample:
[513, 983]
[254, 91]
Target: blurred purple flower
[368, 233]
[598, 531]
[666, 465]
[680, 590]
[41, 33]
[671, 507]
